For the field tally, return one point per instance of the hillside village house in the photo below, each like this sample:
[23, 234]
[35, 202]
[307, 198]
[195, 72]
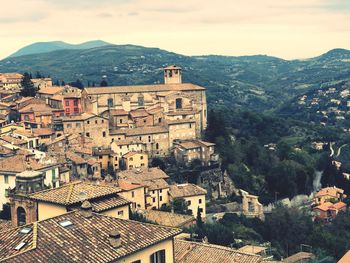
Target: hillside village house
[10, 81]
[87, 124]
[41, 83]
[154, 181]
[193, 195]
[84, 236]
[187, 151]
[11, 166]
[133, 160]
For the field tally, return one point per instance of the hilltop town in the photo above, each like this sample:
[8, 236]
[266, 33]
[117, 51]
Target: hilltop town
[129, 162]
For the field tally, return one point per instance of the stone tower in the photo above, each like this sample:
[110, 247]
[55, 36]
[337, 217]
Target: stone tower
[172, 75]
[23, 209]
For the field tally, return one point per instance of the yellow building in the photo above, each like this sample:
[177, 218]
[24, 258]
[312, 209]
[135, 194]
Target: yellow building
[154, 181]
[133, 160]
[192, 194]
[84, 236]
[328, 194]
[133, 192]
[10, 81]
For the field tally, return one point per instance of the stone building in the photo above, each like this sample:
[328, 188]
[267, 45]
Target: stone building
[176, 100]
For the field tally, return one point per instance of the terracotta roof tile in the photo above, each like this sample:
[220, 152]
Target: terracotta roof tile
[167, 218]
[144, 88]
[189, 252]
[51, 90]
[85, 241]
[71, 193]
[185, 190]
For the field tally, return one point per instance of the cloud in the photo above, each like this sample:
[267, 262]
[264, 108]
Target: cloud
[31, 18]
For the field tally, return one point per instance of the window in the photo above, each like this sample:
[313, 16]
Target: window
[157, 146]
[200, 201]
[132, 194]
[76, 110]
[140, 138]
[53, 174]
[140, 101]
[160, 191]
[190, 125]
[7, 192]
[87, 134]
[95, 121]
[75, 103]
[6, 179]
[120, 213]
[149, 138]
[141, 157]
[102, 121]
[104, 134]
[67, 102]
[88, 122]
[131, 159]
[158, 257]
[100, 157]
[189, 202]
[153, 199]
[26, 117]
[78, 125]
[160, 198]
[110, 103]
[159, 120]
[178, 103]
[69, 125]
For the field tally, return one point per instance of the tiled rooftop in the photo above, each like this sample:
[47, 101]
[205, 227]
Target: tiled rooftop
[189, 252]
[143, 88]
[73, 193]
[185, 190]
[167, 218]
[86, 240]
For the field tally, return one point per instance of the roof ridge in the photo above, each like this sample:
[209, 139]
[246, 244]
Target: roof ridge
[60, 187]
[71, 187]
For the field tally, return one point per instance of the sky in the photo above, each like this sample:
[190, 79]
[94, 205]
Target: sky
[284, 28]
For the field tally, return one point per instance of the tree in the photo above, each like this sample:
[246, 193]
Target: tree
[104, 83]
[63, 83]
[38, 75]
[199, 221]
[78, 84]
[28, 89]
[180, 206]
[158, 162]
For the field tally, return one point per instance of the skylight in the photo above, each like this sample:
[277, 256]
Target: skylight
[65, 223]
[25, 230]
[20, 245]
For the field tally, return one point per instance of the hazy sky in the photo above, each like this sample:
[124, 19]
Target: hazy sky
[284, 28]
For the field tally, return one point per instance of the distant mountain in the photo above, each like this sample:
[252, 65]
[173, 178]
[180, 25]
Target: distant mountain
[255, 82]
[43, 47]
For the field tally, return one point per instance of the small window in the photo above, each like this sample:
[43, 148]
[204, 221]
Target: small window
[95, 121]
[189, 202]
[87, 134]
[160, 191]
[120, 213]
[200, 201]
[178, 103]
[75, 103]
[20, 245]
[140, 101]
[67, 102]
[110, 103]
[88, 122]
[69, 125]
[153, 200]
[78, 125]
[6, 179]
[141, 157]
[25, 230]
[104, 134]
[160, 198]
[132, 194]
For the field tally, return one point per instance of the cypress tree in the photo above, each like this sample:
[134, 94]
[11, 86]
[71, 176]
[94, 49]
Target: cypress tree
[28, 89]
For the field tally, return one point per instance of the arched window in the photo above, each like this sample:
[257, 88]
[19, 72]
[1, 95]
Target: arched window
[178, 103]
[21, 216]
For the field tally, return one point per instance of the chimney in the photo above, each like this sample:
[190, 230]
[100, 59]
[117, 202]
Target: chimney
[86, 209]
[114, 238]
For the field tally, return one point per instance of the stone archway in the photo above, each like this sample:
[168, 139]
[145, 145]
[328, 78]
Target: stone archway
[21, 216]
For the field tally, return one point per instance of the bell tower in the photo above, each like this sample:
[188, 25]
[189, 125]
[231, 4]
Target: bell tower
[172, 75]
[23, 209]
